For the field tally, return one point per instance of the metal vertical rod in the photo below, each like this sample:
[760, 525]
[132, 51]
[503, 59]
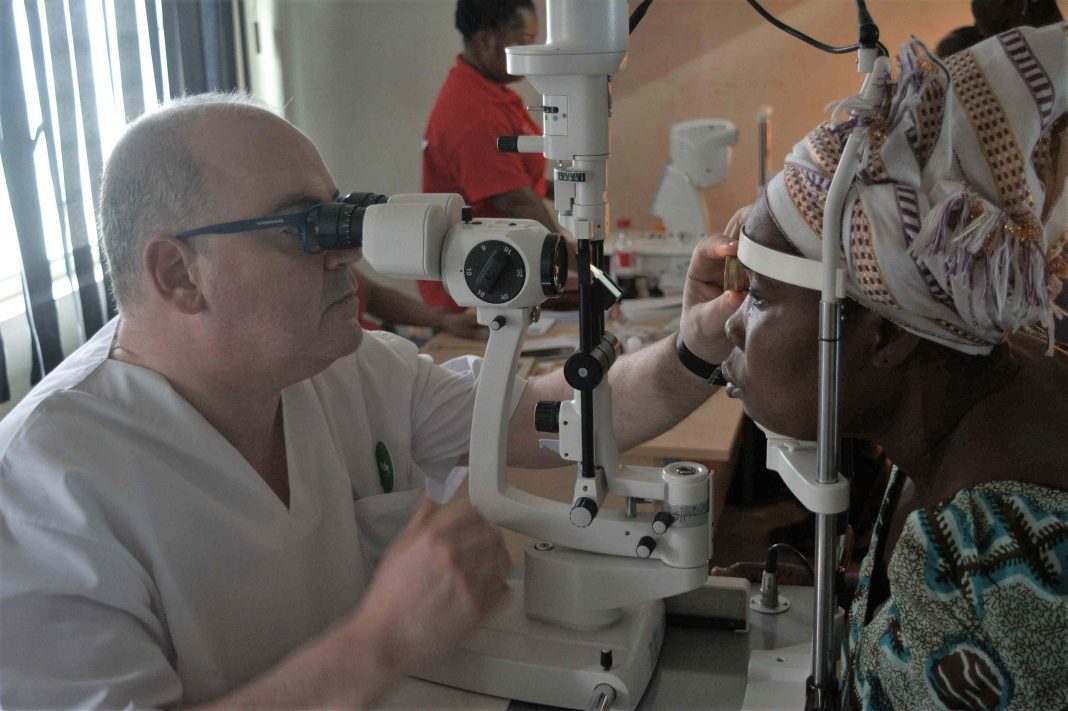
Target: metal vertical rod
[830, 332]
[587, 342]
[763, 144]
[827, 473]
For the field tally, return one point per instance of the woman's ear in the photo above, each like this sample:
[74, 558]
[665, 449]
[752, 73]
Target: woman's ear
[172, 273]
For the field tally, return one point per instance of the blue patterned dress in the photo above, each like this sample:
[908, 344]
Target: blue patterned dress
[977, 616]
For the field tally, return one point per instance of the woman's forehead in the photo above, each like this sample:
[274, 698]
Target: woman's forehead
[760, 227]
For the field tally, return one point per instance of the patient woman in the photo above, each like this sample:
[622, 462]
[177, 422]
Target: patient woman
[954, 239]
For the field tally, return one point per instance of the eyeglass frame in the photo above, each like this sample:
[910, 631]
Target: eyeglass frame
[299, 220]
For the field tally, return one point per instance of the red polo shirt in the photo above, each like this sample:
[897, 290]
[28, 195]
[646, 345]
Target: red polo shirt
[460, 153]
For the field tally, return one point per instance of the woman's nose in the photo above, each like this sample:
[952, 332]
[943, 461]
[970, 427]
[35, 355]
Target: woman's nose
[734, 328]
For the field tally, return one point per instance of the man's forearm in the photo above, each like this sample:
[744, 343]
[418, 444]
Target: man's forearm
[651, 392]
[525, 203]
[393, 307]
[339, 669]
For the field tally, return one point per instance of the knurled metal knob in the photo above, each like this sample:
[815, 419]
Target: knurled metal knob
[583, 512]
[547, 416]
[662, 521]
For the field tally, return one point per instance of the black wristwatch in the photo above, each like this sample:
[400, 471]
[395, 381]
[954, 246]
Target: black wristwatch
[709, 372]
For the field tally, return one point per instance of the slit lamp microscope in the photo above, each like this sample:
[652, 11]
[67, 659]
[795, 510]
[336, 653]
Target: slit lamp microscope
[585, 624]
[584, 627]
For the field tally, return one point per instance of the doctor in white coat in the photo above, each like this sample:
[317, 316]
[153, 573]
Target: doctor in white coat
[210, 502]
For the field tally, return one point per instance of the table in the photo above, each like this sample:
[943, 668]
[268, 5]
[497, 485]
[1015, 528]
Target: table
[697, 668]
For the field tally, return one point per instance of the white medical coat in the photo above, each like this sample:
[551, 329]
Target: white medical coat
[143, 561]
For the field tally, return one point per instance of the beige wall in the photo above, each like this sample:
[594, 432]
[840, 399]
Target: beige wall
[360, 77]
[693, 58]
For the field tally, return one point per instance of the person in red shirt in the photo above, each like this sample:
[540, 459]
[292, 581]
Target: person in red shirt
[475, 107]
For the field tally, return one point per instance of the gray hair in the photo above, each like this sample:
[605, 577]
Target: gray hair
[152, 183]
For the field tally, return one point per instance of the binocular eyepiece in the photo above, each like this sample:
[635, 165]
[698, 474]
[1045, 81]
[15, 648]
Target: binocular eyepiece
[339, 225]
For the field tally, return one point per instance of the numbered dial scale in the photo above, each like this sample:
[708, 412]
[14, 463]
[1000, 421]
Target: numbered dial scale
[496, 272]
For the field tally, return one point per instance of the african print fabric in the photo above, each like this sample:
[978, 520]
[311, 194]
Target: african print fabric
[977, 616]
[955, 226]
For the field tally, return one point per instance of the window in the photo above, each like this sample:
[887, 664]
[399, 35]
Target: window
[72, 73]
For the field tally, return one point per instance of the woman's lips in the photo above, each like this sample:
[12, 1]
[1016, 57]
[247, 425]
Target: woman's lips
[732, 388]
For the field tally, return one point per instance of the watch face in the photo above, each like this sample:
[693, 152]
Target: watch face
[553, 265]
[495, 271]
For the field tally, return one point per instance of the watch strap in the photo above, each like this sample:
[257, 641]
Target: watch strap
[709, 372]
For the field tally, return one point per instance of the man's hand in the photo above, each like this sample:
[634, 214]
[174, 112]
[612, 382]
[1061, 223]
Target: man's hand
[705, 306]
[441, 577]
[463, 325]
[733, 231]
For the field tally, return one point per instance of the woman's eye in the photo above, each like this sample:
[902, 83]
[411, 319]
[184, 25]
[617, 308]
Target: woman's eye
[754, 296]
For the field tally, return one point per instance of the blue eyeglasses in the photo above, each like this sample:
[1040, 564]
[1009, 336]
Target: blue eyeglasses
[326, 226]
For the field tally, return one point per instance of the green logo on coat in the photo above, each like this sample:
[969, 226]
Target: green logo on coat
[385, 467]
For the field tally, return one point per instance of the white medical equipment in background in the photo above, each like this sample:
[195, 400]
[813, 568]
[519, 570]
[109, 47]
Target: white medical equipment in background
[700, 155]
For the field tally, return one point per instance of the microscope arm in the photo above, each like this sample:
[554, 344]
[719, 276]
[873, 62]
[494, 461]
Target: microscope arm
[610, 532]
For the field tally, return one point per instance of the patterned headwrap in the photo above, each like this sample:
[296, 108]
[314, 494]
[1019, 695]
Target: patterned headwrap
[956, 224]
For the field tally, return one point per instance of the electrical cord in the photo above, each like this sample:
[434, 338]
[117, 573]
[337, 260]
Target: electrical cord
[638, 14]
[869, 33]
[771, 565]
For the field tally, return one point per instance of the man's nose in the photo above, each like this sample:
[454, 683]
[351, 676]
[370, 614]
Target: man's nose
[337, 259]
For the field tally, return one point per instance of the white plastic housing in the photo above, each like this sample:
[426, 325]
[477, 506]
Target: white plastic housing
[585, 37]
[701, 149]
[806, 273]
[680, 206]
[525, 236]
[404, 237]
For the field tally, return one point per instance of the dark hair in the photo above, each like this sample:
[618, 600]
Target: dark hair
[959, 39]
[475, 15]
[996, 16]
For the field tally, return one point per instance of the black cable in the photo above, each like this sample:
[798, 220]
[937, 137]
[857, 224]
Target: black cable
[771, 565]
[867, 30]
[800, 35]
[638, 14]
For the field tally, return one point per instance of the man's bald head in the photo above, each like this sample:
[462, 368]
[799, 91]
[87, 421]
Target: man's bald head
[155, 180]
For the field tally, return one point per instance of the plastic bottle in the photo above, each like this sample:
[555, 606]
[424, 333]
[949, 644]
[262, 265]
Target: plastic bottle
[624, 261]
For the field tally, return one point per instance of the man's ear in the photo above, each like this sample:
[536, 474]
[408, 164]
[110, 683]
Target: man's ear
[892, 345]
[172, 273]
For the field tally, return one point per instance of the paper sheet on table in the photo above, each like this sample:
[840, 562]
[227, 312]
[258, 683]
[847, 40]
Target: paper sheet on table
[413, 693]
[653, 307]
[534, 346]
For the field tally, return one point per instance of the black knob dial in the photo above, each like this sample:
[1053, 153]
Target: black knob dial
[495, 271]
[547, 416]
[662, 521]
[584, 511]
[553, 265]
[646, 546]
